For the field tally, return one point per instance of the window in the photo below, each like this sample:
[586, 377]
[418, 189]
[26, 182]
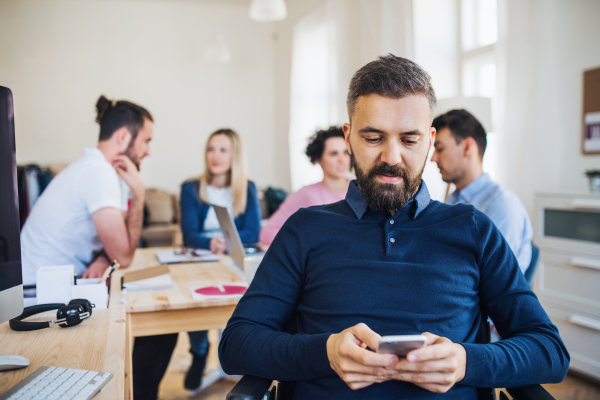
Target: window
[479, 23]
[455, 43]
[314, 91]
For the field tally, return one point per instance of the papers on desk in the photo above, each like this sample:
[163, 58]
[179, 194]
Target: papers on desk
[191, 255]
[155, 283]
[55, 285]
[221, 291]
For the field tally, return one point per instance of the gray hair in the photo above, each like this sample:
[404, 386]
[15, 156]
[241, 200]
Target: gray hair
[392, 77]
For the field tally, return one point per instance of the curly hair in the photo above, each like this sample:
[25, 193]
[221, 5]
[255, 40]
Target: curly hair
[316, 143]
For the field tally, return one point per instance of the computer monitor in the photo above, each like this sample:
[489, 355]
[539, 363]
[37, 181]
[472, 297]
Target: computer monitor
[11, 278]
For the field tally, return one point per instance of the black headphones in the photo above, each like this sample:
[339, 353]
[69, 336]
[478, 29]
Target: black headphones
[67, 315]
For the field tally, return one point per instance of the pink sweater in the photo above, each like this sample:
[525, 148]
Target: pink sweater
[311, 195]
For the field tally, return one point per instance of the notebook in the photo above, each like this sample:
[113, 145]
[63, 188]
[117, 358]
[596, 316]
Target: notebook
[155, 283]
[191, 255]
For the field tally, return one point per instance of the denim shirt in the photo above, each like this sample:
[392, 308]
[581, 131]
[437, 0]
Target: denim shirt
[505, 210]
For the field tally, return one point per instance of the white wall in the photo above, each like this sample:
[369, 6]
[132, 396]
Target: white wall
[546, 46]
[58, 56]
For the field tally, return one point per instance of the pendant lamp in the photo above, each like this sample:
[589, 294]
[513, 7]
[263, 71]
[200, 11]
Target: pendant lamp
[268, 10]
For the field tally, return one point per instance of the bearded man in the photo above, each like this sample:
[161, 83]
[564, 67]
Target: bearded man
[388, 260]
[92, 212]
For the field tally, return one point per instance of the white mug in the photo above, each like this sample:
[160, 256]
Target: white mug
[251, 264]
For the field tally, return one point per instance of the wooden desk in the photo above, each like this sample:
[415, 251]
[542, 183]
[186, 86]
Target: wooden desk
[97, 344]
[159, 312]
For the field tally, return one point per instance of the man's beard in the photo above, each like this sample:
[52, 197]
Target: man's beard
[129, 153]
[387, 196]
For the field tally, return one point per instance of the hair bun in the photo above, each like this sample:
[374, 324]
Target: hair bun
[102, 106]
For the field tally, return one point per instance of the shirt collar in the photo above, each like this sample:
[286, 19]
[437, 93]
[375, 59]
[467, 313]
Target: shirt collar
[475, 187]
[94, 152]
[355, 199]
[358, 204]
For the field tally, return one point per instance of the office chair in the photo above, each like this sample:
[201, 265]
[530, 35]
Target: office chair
[530, 271]
[255, 388]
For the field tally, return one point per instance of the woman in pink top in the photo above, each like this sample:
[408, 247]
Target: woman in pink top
[328, 149]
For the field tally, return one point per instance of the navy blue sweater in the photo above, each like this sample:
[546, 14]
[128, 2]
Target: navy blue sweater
[333, 266]
[194, 210]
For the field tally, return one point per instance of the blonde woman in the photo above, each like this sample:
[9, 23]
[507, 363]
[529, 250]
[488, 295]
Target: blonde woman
[224, 183]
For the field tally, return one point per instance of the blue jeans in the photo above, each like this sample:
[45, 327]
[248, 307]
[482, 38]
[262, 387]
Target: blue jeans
[199, 343]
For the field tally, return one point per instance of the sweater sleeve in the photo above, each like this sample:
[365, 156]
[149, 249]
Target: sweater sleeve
[255, 341]
[249, 224]
[191, 223]
[531, 351]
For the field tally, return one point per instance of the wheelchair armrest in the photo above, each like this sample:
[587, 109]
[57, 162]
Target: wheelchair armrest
[250, 388]
[529, 392]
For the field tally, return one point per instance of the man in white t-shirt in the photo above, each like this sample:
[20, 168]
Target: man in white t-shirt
[92, 212]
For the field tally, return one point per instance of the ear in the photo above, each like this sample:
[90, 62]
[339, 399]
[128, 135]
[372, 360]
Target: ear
[432, 132]
[470, 149]
[123, 137]
[346, 129]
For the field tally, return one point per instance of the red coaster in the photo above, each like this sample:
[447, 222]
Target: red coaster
[228, 290]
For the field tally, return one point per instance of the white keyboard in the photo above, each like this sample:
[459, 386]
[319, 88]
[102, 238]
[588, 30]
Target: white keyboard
[54, 383]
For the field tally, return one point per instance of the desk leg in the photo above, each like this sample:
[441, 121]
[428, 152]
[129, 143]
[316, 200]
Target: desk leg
[128, 360]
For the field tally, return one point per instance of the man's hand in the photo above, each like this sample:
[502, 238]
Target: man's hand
[129, 172]
[356, 365]
[96, 268]
[218, 245]
[435, 367]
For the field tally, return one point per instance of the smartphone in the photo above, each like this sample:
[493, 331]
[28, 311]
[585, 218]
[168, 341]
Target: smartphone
[401, 345]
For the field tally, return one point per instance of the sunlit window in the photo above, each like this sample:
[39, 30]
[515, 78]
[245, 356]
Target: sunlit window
[313, 92]
[454, 41]
[435, 39]
[479, 76]
[479, 23]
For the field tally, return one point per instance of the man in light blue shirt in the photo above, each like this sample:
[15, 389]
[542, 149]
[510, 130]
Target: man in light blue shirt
[460, 143]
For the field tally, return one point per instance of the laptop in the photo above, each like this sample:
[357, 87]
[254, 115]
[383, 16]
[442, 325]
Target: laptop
[235, 248]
